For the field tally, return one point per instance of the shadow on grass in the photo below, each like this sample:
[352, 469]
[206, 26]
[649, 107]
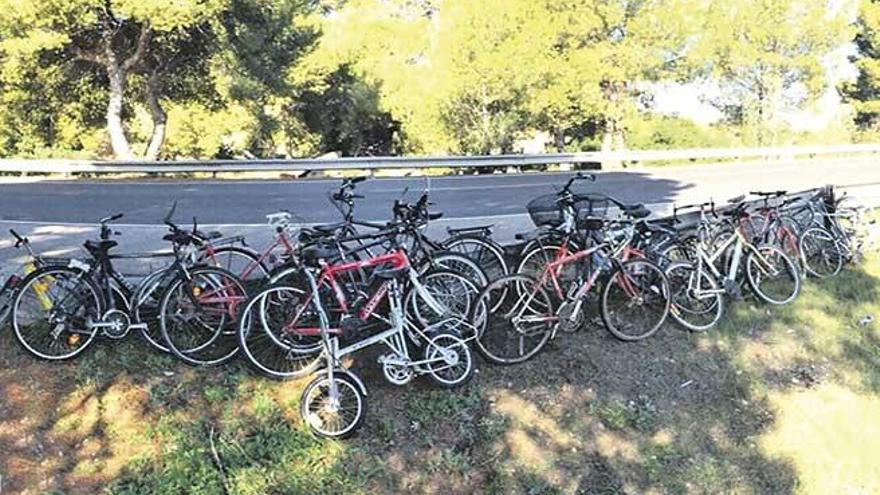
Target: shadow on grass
[679, 413]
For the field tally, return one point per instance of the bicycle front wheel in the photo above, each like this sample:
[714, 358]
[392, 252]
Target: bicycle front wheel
[695, 299]
[514, 319]
[772, 275]
[635, 300]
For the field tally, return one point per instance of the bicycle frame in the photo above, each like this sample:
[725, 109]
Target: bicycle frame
[741, 245]
[328, 277]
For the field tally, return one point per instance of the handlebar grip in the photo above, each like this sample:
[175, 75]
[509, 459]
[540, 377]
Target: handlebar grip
[358, 196]
[15, 234]
[116, 217]
[358, 179]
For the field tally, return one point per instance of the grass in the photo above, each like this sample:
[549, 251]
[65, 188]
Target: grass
[775, 400]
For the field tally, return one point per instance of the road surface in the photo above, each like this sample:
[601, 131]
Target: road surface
[59, 215]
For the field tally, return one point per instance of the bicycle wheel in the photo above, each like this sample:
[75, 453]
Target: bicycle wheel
[772, 275]
[697, 306]
[53, 312]
[820, 253]
[268, 332]
[243, 262]
[684, 250]
[197, 315]
[453, 291]
[448, 360]
[484, 252]
[7, 296]
[333, 417]
[456, 262]
[514, 319]
[535, 258]
[635, 300]
[145, 308]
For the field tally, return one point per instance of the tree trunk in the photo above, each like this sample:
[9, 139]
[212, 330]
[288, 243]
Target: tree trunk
[559, 139]
[118, 140]
[159, 116]
[612, 140]
[117, 73]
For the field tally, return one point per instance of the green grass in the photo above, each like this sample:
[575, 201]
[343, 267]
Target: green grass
[775, 400]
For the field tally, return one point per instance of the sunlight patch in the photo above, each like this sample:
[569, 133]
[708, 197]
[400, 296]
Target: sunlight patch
[830, 435]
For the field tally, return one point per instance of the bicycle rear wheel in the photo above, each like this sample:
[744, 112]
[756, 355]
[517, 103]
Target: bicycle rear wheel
[197, 315]
[268, 334]
[54, 311]
[820, 253]
[454, 292]
[635, 300]
[514, 319]
[484, 252]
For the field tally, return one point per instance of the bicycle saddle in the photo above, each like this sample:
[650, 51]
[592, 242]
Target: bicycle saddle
[636, 211]
[209, 236]
[658, 226]
[329, 228]
[470, 230]
[738, 199]
[316, 252]
[100, 247]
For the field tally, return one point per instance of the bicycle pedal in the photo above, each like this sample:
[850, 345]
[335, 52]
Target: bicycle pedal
[732, 289]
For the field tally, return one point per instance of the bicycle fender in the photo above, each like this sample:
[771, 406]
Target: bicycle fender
[342, 371]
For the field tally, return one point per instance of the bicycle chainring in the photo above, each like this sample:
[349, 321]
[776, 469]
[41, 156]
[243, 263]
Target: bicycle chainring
[568, 324]
[395, 372]
[117, 324]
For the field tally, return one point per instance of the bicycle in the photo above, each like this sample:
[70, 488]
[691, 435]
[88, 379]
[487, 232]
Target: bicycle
[527, 312]
[85, 298]
[296, 344]
[699, 287]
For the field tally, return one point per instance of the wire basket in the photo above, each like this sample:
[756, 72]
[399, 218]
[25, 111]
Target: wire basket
[590, 210]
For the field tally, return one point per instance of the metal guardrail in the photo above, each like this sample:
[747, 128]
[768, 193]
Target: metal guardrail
[391, 162]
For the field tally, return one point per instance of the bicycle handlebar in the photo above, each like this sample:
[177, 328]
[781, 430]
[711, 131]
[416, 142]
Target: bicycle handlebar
[19, 240]
[111, 218]
[769, 194]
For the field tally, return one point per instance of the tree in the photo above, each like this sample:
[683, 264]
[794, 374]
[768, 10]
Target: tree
[864, 92]
[167, 47]
[767, 57]
[488, 71]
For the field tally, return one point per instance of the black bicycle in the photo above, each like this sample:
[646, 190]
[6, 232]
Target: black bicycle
[59, 310]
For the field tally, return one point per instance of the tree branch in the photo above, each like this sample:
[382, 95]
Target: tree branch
[143, 45]
[87, 56]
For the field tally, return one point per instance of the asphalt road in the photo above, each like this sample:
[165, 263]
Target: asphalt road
[60, 214]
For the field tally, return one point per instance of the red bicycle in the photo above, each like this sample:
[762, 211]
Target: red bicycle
[515, 316]
[281, 335]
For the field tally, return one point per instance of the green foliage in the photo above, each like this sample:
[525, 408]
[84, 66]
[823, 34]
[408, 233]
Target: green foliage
[864, 93]
[767, 56]
[361, 77]
[666, 132]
